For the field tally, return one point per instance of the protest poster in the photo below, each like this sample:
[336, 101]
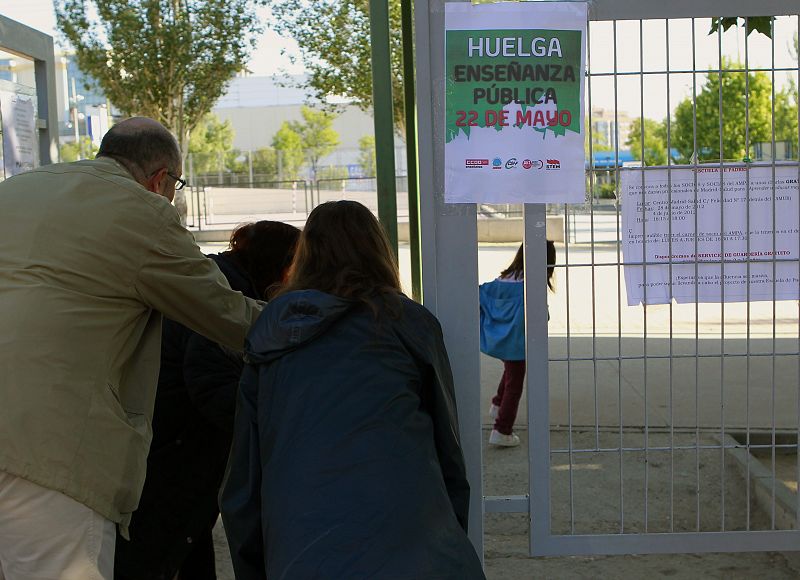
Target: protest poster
[719, 251]
[18, 114]
[514, 79]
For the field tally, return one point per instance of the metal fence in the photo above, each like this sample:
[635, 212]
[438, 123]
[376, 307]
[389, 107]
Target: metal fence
[221, 206]
[672, 427]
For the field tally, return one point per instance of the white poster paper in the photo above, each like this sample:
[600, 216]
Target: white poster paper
[712, 239]
[514, 102]
[18, 113]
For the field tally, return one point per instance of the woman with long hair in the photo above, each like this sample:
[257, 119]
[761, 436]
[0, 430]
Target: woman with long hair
[193, 423]
[346, 461]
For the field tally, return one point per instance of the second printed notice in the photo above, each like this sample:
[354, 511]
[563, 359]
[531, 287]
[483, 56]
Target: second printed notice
[697, 236]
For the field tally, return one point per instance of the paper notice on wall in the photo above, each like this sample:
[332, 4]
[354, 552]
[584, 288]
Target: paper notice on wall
[719, 251]
[514, 129]
[18, 113]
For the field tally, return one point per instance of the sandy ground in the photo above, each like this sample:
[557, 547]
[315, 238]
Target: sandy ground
[506, 535]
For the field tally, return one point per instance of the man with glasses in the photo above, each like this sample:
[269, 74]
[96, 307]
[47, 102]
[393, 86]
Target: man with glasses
[91, 254]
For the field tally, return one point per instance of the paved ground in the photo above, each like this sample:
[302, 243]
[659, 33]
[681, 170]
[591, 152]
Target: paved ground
[594, 395]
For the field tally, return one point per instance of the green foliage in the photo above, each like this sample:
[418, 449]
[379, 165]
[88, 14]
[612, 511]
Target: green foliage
[734, 86]
[210, 142]
[334, 40]
[333, 172]
[288, 146]
[265, 162]
[366, 155]
[166, 59]
[655, 141]
[786, 102]
[762, 24]
[75, 150]
[605, 190]
[317, 135]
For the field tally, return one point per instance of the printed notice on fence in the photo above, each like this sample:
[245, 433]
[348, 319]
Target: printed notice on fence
[19, 132]
[514, 102]
[720, 251]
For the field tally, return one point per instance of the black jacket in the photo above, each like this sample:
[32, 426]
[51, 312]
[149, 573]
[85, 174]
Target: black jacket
[346, 460]
[192, 431]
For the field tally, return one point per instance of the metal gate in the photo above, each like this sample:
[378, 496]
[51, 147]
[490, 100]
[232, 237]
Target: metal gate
[662, 428]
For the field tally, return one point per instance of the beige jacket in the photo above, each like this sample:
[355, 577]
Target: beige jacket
[89, 260]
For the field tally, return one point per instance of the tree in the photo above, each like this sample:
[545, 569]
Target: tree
[734, 112]
[265, 162]
[655, 141]
[74, 150]
[288, 146]
[334, 40]
[210, 144]
[366, 155]
[166, 59]
[317, 135]
[733, 88]
[762, 24]
[786, 102]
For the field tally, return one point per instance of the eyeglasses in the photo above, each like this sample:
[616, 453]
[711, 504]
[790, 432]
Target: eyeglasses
[179, 183]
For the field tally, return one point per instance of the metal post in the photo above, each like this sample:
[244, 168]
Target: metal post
[250, 166]
[45, 75]
[191, 170]
[384, 117]
[411, 148]
[75, 119]
[450, 261]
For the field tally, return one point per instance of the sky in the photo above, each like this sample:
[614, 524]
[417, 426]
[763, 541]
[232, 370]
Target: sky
[647, 95]
[266, 60]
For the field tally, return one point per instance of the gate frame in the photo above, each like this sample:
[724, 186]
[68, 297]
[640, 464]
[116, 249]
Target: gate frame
[450, 290]
[29, 43]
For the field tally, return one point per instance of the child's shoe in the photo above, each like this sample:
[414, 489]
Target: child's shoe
[501, 440]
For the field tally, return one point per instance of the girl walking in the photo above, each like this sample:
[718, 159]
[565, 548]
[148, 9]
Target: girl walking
[503, 336]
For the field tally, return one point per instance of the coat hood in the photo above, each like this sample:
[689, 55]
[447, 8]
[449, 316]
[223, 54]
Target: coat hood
[291, 320]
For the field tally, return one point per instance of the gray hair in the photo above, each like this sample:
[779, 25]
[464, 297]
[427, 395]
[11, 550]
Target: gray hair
[142, 145]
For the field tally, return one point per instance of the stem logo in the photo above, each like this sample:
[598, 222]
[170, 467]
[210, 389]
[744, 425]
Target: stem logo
[553, 164]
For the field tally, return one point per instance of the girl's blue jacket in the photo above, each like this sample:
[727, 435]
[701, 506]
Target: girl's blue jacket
[503, 319]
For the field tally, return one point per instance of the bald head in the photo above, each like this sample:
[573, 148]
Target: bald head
[142, 142]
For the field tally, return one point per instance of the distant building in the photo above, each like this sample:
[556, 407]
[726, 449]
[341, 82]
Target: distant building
[257, 106]
[606, 125]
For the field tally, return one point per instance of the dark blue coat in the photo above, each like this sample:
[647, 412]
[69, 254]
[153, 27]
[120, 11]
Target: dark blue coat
[192, 431]
[346, 460]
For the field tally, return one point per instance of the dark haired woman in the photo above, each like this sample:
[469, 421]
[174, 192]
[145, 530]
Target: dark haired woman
[502, 303]
[193, 424]
[346, 462]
